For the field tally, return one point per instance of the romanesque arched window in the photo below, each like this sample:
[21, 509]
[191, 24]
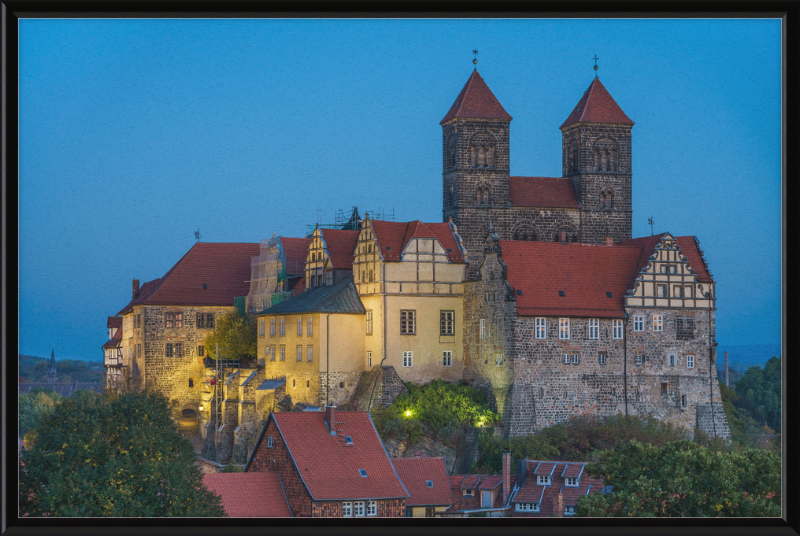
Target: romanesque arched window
[572, 158]
[605, 155]
[451, 152]
[482, 151]
[482, 195]
[524, 232]
[453, 196]
[486, 196]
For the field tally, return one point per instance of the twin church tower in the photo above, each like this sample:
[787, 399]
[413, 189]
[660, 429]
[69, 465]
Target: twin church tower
[589, 204]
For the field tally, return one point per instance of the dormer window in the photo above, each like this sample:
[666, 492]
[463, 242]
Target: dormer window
[569, 510]
[348, 440]
[469, 493]
[527, 507]
[429, 483]
[543, 480]
[571, 481]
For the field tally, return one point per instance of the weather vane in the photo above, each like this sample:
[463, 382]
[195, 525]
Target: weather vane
[595, 65]
[650, 221]
[197, 235]
[475, 61]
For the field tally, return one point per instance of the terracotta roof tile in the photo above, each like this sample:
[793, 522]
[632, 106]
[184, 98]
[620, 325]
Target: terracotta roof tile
[414, 472]
[530, 491]
[647, 245]
[339, 245]
[114, 322]
[393, 237]
[471, 481]
[249, 494]
[145, 291]
[597, 106]
[299, 287]
[491, 482]
[539, 271]
[476, 101]
[543, 192]
[295, 251]
[573, 469]
[115, 340]
[474, 503]
[691, 250]
[329, 468]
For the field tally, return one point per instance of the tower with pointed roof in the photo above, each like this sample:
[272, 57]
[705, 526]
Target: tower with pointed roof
[52, 374]
[475, 161]
[596, 154]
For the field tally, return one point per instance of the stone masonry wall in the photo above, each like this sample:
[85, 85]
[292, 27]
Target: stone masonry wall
[342, 387]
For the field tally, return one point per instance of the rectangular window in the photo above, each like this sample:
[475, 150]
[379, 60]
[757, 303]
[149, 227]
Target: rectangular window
[663, 268]
[469, 493]
[638, 323]
[690, 361]
[616, 328]
[563, 328]
[272, 353]
[168, 350]
[541, 328]
[329, 278]
[283, 353]
[201, 320]
[369, 322]
[543, 480]
[594, 328]
[575, 359]
[369, 359]
[683, 400]
[447, 358]
[661, 291]
[672, 359]
[358, 509]
[483, 328]
[260, 327]
[447, 322]
[300, 325]
[310, 354]
[310, 323]
[673, 269]
[372, 508]
[664, 388]
[178, 349]
[209, 320]
[201, 351]
[408, 322]
[408, 358]
[527, 507]
[272, 327]
[684, 327]
[601, 358]
[283, 327]
[571, 481]
[569, 510]
[347, 509]
[269, 441]
[299, 353]
[566, 359]
[169, 320]
[687, 292]
[639, 359]
[658, 322]
[498, 359]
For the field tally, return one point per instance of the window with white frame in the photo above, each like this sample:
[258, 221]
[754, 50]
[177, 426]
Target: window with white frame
[358, 509]
[527, 507]
[269, 441]
[690, 361]
[260, 327]
[447, 322]
[638, 322]
[575, 359]
[347, 509]
[563, 328]
[447, 358]
[571, 481]
[408, 358]
[601, 358]
[283, 353]
[369, 322]
[543, 480]
[639, 359]
[408, 323]
[272, 353]
[272, 327]
[616, 328]
[372, 508]
[569, 510]
[299, 353]
[310, 326]
[299, 325]
[469, 493]
[566, 359]
[310, 354]
[541, 328]
[661, 291]
[369, 359]
[483, 328]
[594, 328]
[283, 327]
[672, 359]
[658, 322]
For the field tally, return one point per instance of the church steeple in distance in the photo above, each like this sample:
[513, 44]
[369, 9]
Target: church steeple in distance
[52, 374]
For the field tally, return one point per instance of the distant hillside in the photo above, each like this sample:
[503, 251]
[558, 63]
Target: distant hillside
[34, 369]
[740, 357]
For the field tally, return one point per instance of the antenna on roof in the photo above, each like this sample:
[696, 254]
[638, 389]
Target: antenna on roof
[650, 221]
[475, 61]
[595, 65]
[197, 235]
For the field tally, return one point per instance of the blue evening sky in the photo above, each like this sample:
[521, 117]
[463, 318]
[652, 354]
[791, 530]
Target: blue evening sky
[135, 133]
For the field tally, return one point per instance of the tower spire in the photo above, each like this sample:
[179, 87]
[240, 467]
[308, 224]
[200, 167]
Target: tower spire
[595, 65]
[52, 374]
[475, 60]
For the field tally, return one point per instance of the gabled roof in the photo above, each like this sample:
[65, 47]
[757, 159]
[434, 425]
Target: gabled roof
[329, 468]
[539, 271]
[393, 237]
[476, 101]
[414, 472]
[531, 492]
[223, 267]
[114, 341]
[689, 248]
[545, 468]
[491, 482]
[295, 251]
[470, 481]
[647, 245]
[339, 245]
[114, 322]
[573, 469]
[551, 192]
[249, 494]
[463, 503]
[597, 106]
[340, 298]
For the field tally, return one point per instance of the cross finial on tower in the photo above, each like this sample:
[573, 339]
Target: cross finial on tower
[475, 61]
[595, 65]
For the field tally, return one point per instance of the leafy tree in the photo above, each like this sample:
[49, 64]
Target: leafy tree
[684, 479]
[759, 392]
[237, 333]
[116, 456]
[745, 431]
[33, 406]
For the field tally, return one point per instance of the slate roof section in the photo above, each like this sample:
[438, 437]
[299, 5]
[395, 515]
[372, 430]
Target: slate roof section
[414, 472]
[531, 492]
[393, 237]
[585, 273]
[249, 494]
[295, 251]
[268, 385]
[597, 106]
[476, 101]
[341, 298]
[548, 192]
[339, 245]
[329, 469]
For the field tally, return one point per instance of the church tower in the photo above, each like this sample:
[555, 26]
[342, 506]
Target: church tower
[596, 151]
[52, 375]
[475, 163]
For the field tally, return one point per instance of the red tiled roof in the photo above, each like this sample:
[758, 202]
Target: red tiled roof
[115, 340]
[474, 502]
[647, 245]
[415, 471]
[114, 322]
[491, 482]
[471, 481]
[476, 100]
[339, 245]
[573, 469]
[691, 251]
[393, 237]
[597, 106]
[544, 495]
[543, 192]
[144, 292]
[585, 273]
[330, 469]
[249, 494]
[544, 468]
[295, 251]
[299, 287]
[223, 267]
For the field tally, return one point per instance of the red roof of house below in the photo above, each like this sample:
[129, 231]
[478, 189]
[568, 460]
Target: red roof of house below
[476, 101]
[249, 494]
[415, 474]
[340, 245]
[393, 237]
[597, 106]
[547, 192]
[295, 251]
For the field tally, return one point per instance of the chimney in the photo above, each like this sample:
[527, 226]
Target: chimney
[506, 477]
[609, 241]
[330, 418]
[522, 472]
[135, 288]
[563, 237]
[558, 505]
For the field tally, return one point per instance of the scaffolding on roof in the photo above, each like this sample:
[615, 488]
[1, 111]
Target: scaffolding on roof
[268, 281]
[341, 221]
